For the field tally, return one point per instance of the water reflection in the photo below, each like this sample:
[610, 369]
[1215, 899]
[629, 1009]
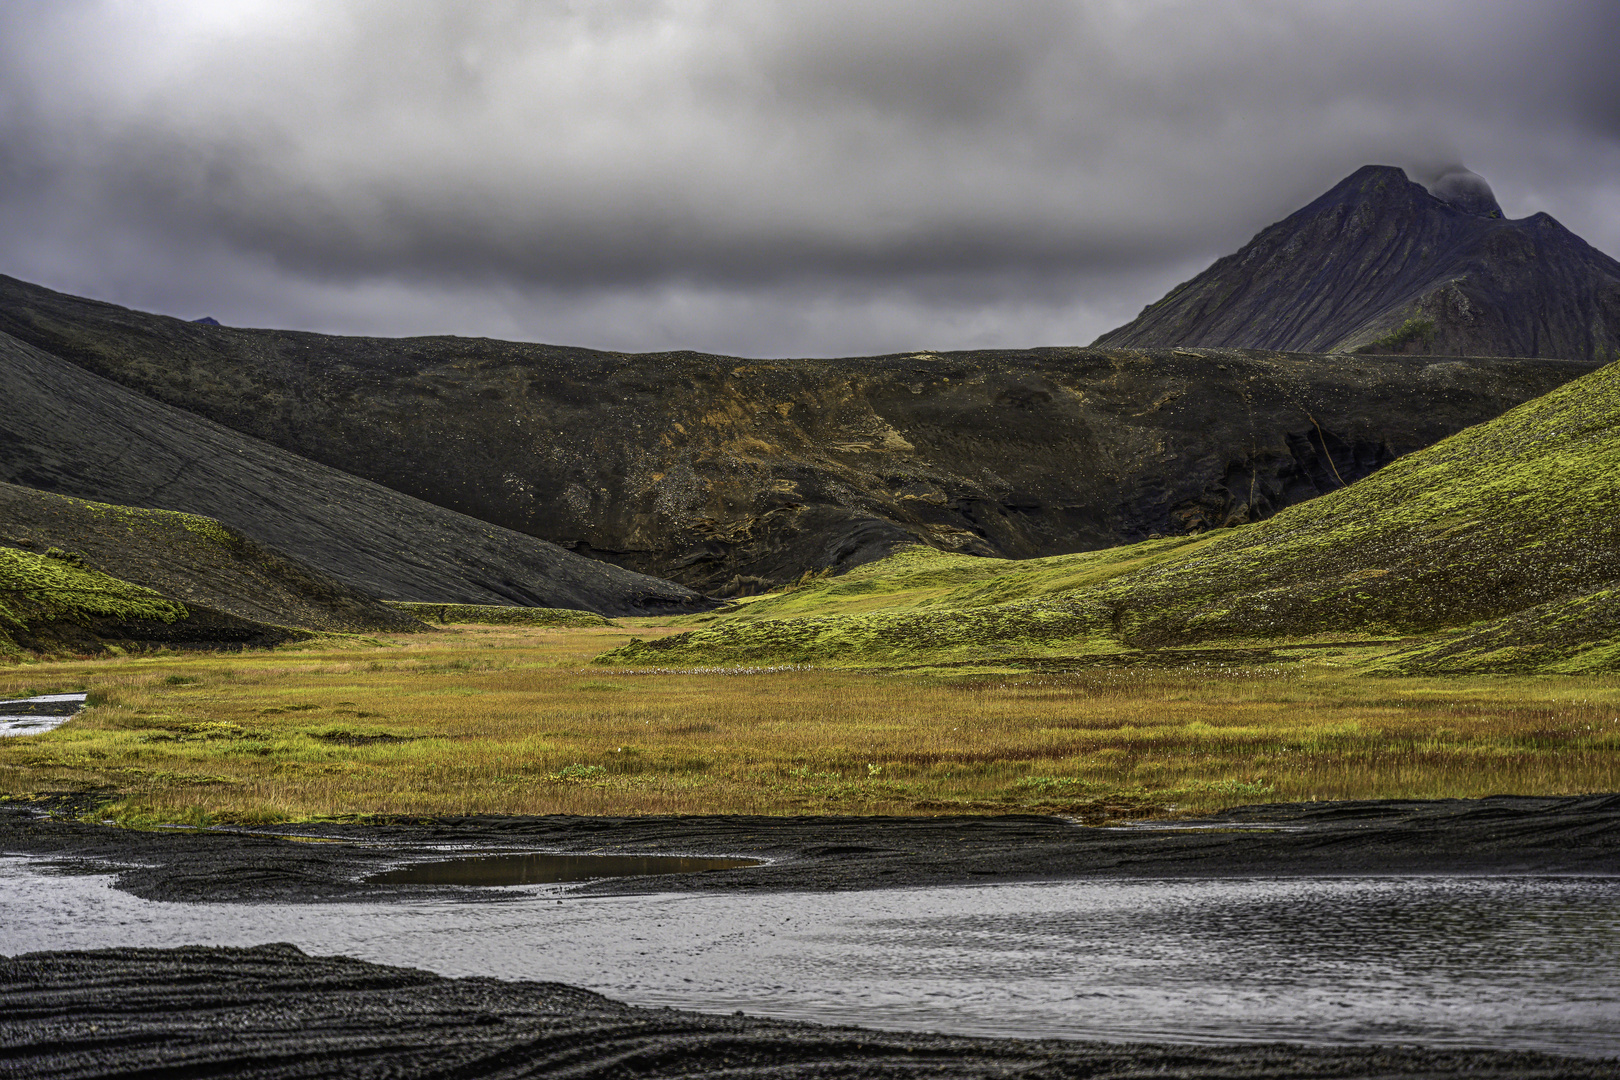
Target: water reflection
[37, 715]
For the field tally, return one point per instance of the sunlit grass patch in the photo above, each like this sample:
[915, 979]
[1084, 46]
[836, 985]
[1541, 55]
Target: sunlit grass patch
[511, 720]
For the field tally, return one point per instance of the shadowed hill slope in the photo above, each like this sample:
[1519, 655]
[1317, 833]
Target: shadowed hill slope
[194, 560]
[70, 432]
[1508, 532]
[732, 475]
[52, 604]
[1378, 264]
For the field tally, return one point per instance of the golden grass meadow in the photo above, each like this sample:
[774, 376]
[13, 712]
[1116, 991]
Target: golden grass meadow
[514, 720]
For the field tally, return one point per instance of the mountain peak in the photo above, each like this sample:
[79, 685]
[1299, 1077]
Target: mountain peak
[1379, 263]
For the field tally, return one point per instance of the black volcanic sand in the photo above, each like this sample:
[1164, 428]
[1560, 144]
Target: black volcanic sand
[1499, 835]
[272, 1011]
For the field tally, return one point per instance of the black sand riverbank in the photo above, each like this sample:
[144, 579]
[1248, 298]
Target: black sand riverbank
[1494, 836]
[274, 1012]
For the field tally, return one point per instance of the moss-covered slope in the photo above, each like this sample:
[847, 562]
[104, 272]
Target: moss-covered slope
[1519, 515]
[74, 433]
[194, 560]
[53, 603]
[498, 615]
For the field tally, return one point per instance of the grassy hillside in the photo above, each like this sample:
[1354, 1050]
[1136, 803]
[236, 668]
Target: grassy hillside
[73, 433]
[730, 476]
[40, 590]
[1499, 531]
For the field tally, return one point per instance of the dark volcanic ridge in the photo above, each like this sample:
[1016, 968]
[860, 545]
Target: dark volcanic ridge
[73, 433]
[273, 1011]
[728, 475]
[1379, 264]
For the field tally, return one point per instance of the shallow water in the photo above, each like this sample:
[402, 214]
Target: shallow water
[37, 715]
[1531, 963]
[535, 868]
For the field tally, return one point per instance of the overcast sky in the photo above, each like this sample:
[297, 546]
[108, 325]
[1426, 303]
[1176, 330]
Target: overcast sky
[768, 179]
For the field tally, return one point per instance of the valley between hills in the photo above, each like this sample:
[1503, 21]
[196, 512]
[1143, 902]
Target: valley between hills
[306, 576]
[1324, 643]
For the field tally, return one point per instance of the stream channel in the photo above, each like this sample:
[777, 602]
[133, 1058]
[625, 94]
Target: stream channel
[1497, 962]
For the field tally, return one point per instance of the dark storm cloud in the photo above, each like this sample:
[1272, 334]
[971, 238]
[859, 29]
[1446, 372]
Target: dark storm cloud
[750, 177]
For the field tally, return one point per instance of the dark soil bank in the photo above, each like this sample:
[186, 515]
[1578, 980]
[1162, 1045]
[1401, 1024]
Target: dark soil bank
[1501, 835]
[272, 1011]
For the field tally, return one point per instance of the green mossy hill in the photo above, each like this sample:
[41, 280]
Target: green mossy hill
[55, 605]
[1575, 636]
[195, 560]
[922, 577]
[42, 588]
[1519, 515]
[496, 615]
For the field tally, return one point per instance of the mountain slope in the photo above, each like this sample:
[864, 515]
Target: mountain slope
[70, 432]
[193, 560]
[736, 475]
[1381, 265]
[1508, 532]
[53, 604]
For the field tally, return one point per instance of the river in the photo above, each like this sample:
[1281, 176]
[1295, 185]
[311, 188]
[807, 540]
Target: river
[1530, 963]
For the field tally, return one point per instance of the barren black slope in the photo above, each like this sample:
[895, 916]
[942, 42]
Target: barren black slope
[730, 474]
[1378, 264]
[68, 431]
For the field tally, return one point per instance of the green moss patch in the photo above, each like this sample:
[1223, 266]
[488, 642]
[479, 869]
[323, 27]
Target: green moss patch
[38, 590]
[1417, 332]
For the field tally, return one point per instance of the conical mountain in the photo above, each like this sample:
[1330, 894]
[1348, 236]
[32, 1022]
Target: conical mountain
[1382, 264]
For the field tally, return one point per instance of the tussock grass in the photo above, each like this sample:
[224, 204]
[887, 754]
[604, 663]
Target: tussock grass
[510, 720]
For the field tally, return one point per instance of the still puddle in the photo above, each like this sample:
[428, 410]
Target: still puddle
[1531, 963]
[542, 869]
[37, 715]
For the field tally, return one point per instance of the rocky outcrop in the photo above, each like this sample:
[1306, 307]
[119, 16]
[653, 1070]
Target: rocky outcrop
[1380, 264]
[732, 475]
[73, 433]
